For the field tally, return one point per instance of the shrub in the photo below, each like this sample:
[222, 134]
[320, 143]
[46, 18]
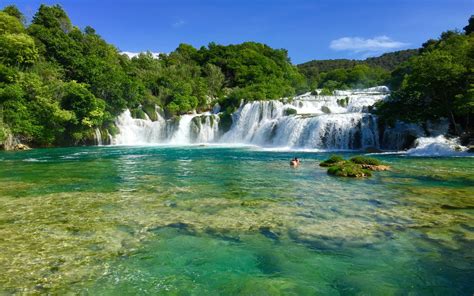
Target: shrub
[290, 111]
[225, 121]
[326, 92]
[137, 113]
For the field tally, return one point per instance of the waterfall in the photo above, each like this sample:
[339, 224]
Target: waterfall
[134, 131]
[437, 146]
[186, 129]
[98, 137]
[337, 122]
[341, 121]
[183, 134]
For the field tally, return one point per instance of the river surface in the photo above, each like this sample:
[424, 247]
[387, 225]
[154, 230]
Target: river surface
[231, 221]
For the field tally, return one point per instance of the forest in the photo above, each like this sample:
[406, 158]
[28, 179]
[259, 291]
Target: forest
[59, 83]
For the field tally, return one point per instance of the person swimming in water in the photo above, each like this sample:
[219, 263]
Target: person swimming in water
[295, 162]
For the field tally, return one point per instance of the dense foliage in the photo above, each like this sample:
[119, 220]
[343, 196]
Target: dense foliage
[437, 83]
[58, 83]
[344, 73]
[391, 60]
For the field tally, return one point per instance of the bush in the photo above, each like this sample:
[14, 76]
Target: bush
[225, 122]
[290, 111]
[3, 133]
[343, 102]
[326, 92]
[137, 113]
[150, 111]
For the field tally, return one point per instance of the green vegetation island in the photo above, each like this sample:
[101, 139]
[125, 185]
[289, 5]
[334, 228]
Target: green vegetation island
[169, 174]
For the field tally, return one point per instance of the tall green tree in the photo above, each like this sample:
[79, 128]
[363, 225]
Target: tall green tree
[435, 84]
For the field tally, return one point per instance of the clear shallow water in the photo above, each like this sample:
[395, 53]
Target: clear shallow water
[231, 221]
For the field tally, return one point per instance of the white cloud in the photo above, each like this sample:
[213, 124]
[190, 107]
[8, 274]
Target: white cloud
[357, 44]
[179, 24]
[130, 54]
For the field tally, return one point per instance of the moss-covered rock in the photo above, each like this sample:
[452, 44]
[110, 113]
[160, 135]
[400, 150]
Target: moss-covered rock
[150, 111]
[334, 159]
[356, 167]
[369, 163]
[348, 169]
[326, 110]
[225, 121]
[365, 160]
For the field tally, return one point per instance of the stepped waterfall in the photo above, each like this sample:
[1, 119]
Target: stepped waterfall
[341, 121]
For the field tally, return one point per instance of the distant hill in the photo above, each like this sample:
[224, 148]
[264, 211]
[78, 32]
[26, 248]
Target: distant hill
[388, 61]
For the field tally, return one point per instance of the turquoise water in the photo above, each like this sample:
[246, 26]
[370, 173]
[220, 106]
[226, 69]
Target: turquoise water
[231, 221]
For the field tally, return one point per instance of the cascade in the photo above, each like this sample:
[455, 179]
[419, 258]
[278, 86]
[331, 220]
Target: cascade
[437, 146]
[341, 121]
[98, 137]
[185, 129]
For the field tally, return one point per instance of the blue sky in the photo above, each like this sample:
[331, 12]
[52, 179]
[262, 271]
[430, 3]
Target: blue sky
[307, 29]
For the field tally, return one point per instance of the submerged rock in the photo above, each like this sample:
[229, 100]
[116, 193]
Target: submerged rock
[336, 233]
[326, 109]
[470, 149]
[379, 167]
[20, 146]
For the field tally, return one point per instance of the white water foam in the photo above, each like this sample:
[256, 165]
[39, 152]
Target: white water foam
[438, 146]
[337, 122]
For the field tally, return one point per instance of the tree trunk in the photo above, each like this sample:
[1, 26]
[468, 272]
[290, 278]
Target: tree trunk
[453, 122]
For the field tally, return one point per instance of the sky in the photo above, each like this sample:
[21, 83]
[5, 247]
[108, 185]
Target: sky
[326, 29]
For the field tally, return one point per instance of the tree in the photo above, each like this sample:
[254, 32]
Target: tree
[214, 78]
[15, 12]
[17, 50]
[10, 24]
[52, 17]
[470, 26]
[435, 84]
[87, 109]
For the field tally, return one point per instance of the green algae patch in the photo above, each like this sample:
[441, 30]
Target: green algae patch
[356, 167]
